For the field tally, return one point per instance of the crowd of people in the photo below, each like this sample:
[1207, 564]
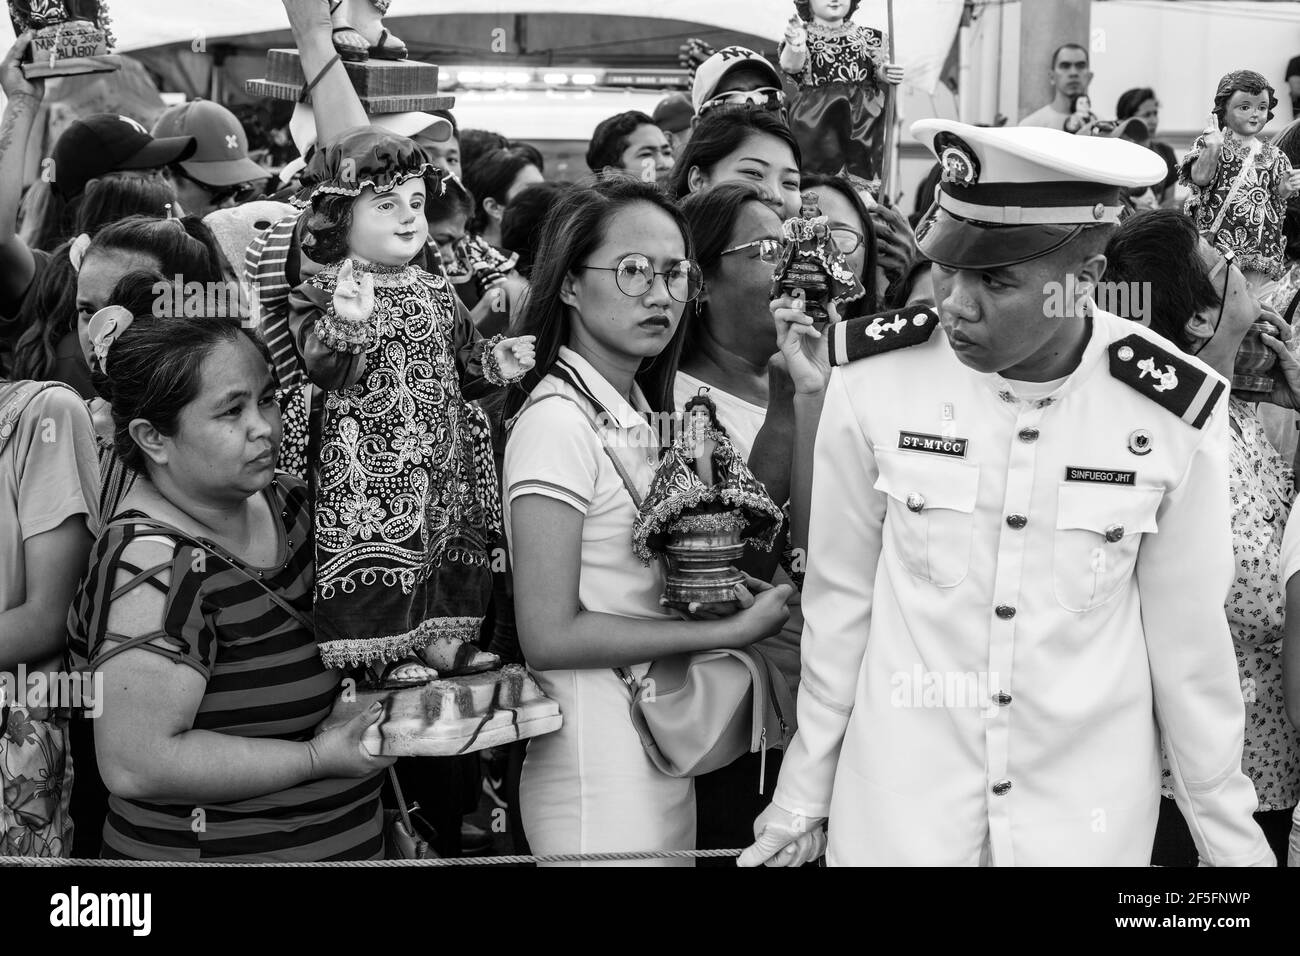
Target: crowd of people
[277, 426]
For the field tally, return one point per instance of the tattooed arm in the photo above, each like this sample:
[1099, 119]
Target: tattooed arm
[23, 102]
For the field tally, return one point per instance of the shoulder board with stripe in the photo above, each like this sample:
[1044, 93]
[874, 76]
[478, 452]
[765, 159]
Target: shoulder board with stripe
[869, 335]
[1166, 378]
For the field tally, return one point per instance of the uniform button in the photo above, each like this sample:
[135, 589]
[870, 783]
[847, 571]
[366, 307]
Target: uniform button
[915, 502]
[1114, 533]
[1001, 699]
[1002, 787]
[1028, 434]
[1017, 521]
[1005, 611]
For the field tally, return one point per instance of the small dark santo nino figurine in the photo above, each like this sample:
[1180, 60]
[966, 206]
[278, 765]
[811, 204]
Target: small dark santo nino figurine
[813, 264]
[704, 506]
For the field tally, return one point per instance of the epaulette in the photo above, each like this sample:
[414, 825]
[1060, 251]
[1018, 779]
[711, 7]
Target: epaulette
[1166, 378]
[869, 335]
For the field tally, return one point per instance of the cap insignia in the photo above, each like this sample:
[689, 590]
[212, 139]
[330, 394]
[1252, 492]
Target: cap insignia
[958, 166]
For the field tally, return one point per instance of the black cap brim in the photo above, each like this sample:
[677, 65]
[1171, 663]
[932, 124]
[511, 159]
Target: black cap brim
[959, 243]
[161, 152]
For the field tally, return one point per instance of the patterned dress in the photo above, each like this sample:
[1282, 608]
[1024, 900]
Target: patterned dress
[1262, 491]
[835, 115]
[1252, 225]
[406, 499]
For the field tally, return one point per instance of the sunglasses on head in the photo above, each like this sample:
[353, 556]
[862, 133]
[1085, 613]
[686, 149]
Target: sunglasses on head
[634, 275]
[766, 97]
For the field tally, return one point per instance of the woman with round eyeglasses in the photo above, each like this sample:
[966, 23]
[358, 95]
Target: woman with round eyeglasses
[611, 283]
[1197, 297]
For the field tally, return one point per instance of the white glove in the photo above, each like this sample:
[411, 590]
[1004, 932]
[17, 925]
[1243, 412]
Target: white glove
[782, 838]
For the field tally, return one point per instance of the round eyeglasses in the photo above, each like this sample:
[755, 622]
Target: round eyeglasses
[634, 276]
[769, 250]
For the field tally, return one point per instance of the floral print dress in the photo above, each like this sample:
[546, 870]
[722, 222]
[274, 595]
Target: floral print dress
[36, 777]
[1252, 225]
[1261, 487]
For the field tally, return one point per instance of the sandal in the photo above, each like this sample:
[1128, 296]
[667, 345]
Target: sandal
[387, 679]
[352, 46]
[384, 50]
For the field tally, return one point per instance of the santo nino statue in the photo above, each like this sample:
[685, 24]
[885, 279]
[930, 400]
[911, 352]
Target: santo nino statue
[703, 507]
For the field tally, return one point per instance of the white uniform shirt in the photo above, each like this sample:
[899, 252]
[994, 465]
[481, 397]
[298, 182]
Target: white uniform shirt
[988, 646]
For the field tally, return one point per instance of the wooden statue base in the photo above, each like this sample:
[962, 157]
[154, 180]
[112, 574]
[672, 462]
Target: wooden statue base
[384, 86]
[69, 49]
[73, 66]
[454, 716]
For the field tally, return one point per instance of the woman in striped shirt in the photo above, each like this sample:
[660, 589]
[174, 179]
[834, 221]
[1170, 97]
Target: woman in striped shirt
[209, 565]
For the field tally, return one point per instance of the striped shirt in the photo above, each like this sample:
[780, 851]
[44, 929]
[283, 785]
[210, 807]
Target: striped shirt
[266, 271]
[264, 677]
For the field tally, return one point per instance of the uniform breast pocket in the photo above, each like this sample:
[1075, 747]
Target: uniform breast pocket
[1098, 531]
[928, 523]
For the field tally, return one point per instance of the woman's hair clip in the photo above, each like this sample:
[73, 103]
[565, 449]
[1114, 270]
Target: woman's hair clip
[77, 251]
[105, 327]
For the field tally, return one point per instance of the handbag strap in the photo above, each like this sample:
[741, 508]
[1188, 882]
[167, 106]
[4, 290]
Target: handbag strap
[609, 452]
[623, 673]
[179, 535]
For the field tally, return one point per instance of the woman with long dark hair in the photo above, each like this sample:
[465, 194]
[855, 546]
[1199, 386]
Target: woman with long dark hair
[610, 287]
[735, 144]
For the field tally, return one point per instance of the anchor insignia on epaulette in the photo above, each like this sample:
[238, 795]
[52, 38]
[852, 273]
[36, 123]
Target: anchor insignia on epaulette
[1168, 378]
[877, 328]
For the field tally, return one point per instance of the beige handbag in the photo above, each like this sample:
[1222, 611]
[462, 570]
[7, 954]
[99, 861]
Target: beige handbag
[699, 712]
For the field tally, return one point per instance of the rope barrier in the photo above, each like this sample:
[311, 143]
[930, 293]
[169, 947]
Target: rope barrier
[623, 857]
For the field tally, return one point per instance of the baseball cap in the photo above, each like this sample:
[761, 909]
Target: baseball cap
[106, 143]
[1012, 194]
[713, 70]
[673, 113]
[220, 157]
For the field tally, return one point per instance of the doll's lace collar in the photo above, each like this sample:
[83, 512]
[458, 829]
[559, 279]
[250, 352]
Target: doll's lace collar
[844, 27]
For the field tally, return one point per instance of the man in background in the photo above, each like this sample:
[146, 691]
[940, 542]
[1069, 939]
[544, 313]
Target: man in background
[1069, 77]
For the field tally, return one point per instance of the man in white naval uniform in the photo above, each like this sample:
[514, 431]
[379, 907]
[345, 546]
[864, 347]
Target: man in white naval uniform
[1019, 551]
